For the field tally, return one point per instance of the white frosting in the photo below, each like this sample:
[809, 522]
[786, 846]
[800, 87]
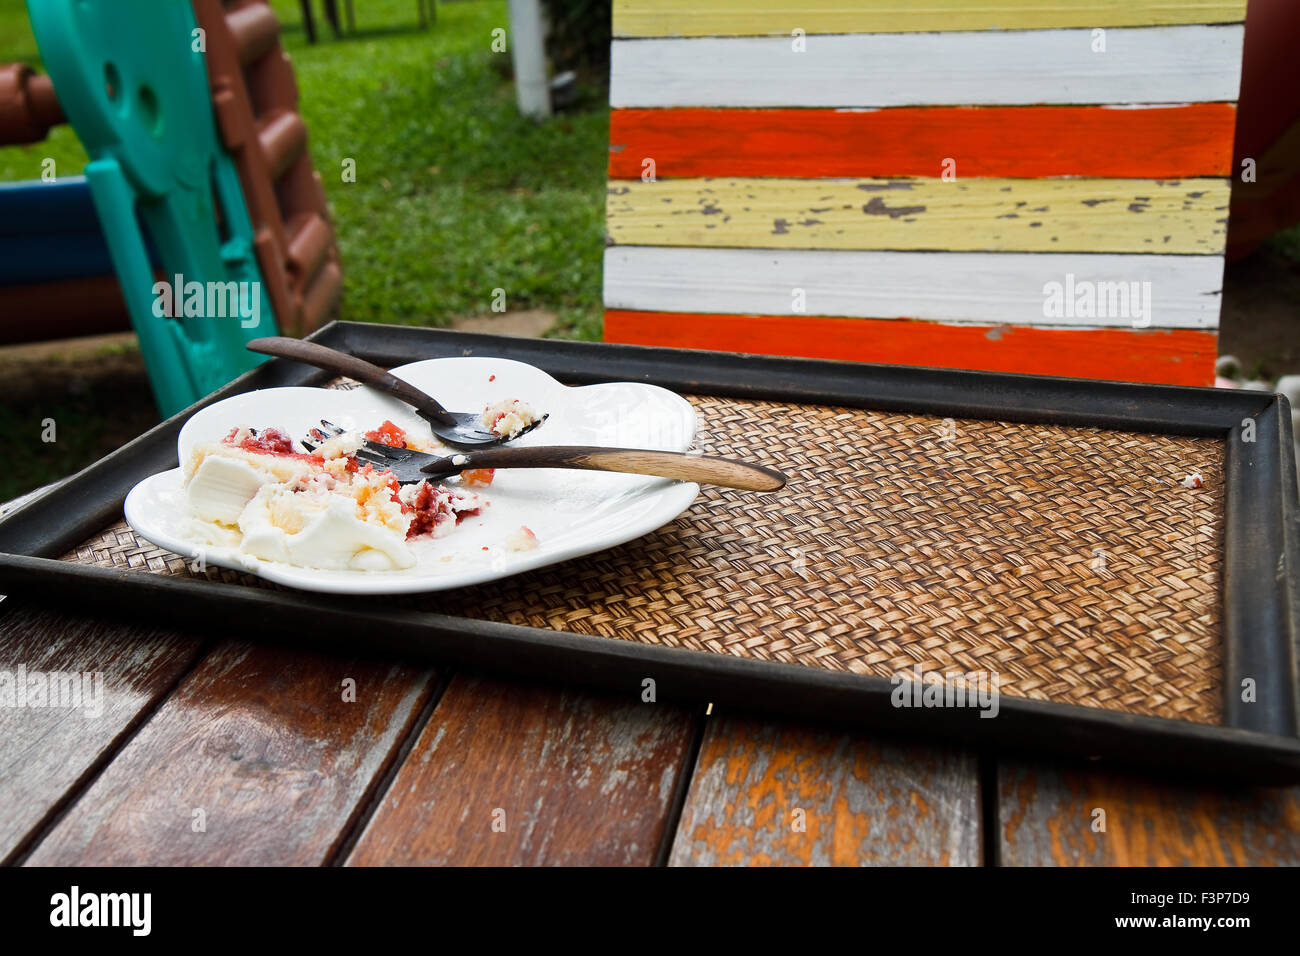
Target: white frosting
[330, 534]
[221, 487]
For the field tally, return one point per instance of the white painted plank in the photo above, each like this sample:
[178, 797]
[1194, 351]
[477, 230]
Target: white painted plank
[1011, 288]
[1177, 64]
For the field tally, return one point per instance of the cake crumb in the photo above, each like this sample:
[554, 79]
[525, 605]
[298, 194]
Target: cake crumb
[508, 418]
[522, 540]
[1193, 480]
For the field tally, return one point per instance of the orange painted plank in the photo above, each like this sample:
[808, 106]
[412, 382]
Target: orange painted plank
[1160, 356]
[780, 794]
[1165, 142]
[1047, 816]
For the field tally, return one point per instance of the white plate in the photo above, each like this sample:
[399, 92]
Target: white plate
[571, 512]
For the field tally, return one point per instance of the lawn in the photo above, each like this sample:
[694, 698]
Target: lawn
[455, 195]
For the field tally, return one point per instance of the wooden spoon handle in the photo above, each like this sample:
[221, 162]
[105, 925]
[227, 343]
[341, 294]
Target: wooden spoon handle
[341, 363]
[726, 472]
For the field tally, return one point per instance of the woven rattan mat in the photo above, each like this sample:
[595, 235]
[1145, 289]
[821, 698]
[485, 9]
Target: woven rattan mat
[1070, 562]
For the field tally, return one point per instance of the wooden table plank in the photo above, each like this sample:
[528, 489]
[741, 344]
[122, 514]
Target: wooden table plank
[262, 742]
[566, 777]
[864, 800]
[46, 751]
[1046, 814]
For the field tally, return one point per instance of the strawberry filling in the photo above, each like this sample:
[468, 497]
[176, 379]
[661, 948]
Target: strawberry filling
[268, 441]
[435, 510]
[388, 434]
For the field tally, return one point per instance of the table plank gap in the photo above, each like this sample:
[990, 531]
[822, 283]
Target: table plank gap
[990, 847]
[384, 780]
[682, 788]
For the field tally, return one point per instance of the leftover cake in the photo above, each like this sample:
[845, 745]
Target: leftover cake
[509, 417]
[256, 492]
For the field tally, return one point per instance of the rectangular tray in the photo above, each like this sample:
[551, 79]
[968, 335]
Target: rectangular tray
[936, 522]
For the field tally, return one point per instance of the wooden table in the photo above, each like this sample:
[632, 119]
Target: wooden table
[216, 751]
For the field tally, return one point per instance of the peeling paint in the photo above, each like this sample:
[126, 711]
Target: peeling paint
[877, 207]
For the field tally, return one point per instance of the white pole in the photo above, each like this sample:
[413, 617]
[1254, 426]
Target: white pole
[528, 53]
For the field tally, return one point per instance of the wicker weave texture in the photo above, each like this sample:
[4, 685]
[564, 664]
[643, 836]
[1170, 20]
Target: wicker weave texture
[1068, 562]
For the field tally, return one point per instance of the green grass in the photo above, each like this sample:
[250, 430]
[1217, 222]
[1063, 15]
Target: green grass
[1287, 243]
[24, 162]
[455, 195]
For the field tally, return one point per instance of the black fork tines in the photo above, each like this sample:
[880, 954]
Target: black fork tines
[320, 435]
[371, 452]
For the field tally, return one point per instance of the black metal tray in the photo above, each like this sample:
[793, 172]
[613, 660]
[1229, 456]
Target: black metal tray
[1258, 741]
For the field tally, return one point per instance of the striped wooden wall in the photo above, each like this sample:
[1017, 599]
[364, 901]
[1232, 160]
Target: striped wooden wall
[958, 183]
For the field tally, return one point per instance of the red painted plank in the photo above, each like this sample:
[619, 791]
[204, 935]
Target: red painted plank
[1161, 356]
[1030, 141]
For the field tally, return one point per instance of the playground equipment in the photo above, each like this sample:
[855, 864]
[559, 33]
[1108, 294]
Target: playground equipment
[211, 248]
[56, 275]
[426, 11]
[255, 98]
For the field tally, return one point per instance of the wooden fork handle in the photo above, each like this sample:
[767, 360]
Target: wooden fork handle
[341, 363]
[726, 472]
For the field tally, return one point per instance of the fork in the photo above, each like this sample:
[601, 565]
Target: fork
[411, 466]
[455, 428]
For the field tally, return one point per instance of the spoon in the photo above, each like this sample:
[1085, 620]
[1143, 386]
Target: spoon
[455, 428]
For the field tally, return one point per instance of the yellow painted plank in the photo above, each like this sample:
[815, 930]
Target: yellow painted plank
[991, 215]
[693, 18]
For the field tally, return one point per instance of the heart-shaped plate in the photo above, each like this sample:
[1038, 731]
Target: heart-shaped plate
[570, 512]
